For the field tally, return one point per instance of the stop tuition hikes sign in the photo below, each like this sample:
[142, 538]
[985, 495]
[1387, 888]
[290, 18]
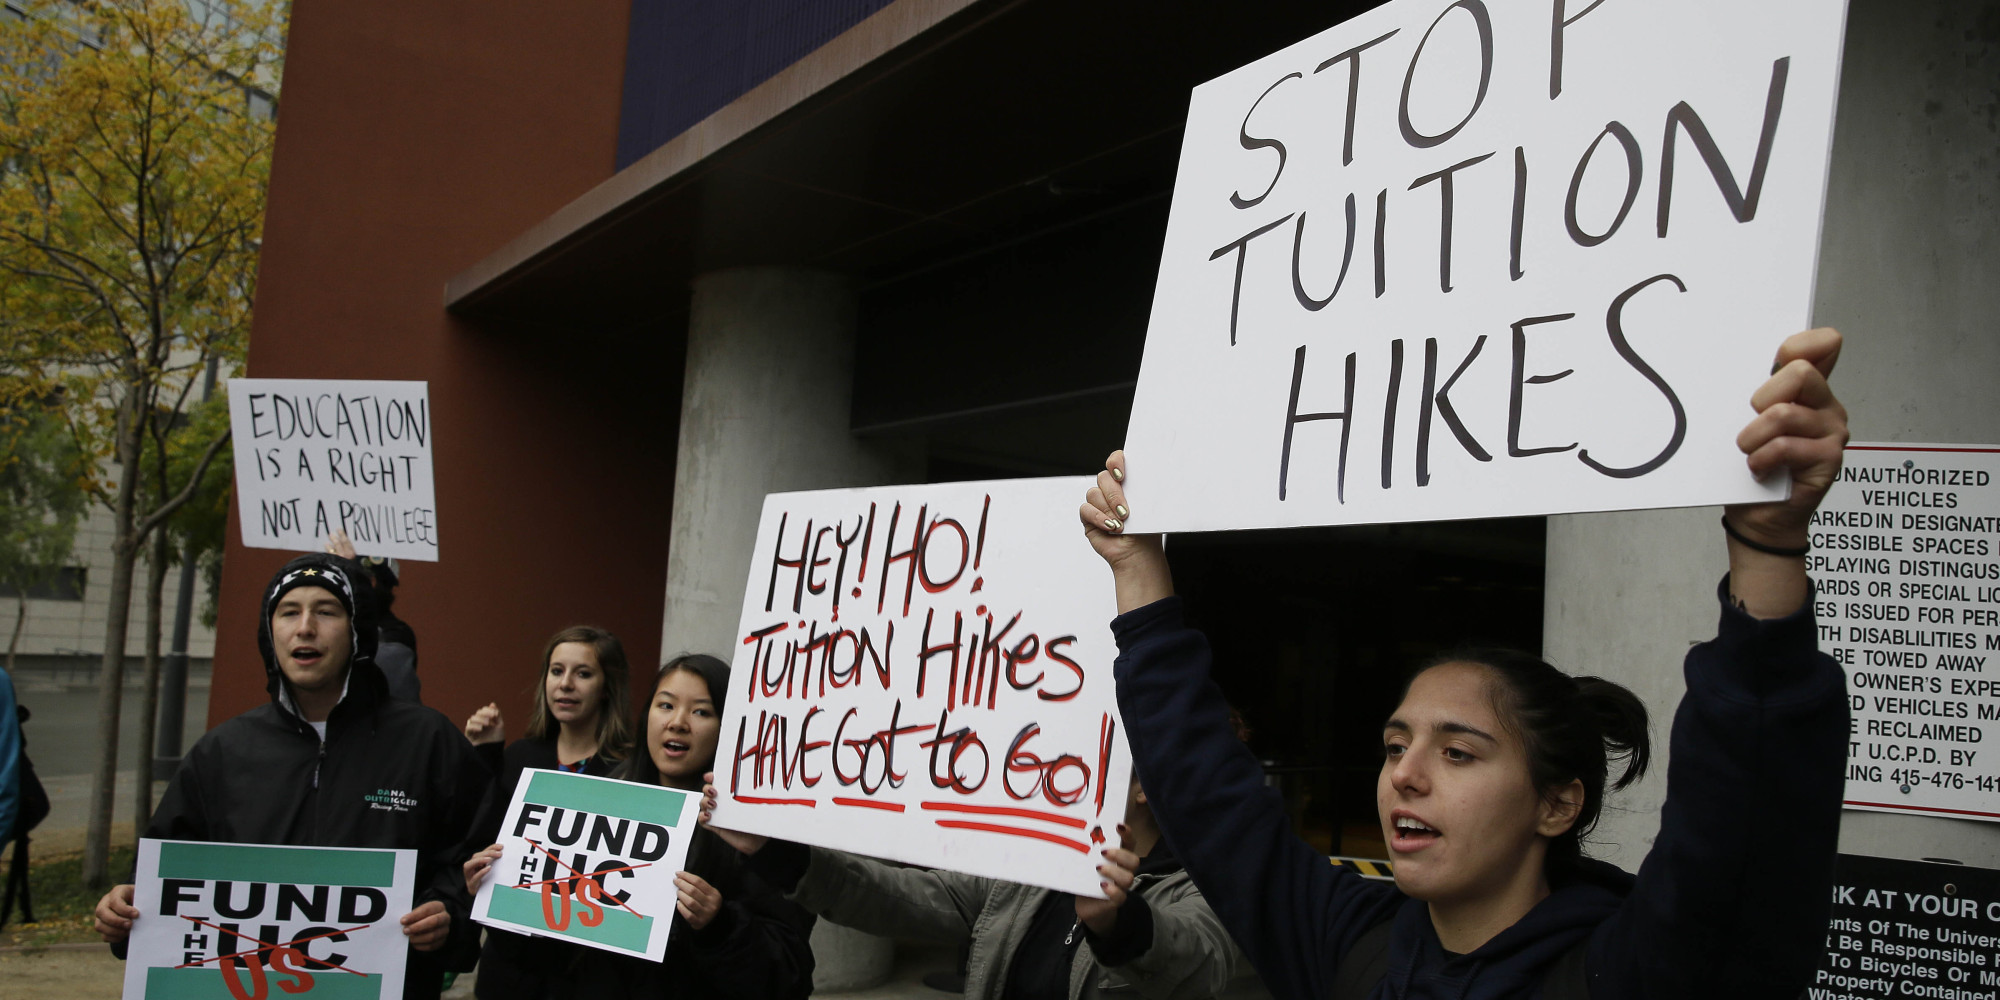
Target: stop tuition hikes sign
[1480, 259]
[234, 920]
[590, 860]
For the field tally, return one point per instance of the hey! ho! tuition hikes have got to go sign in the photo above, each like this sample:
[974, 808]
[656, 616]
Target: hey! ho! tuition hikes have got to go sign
[1475, 259]
[924, 674]
[589, 860]
[318, 455]
[248, 921]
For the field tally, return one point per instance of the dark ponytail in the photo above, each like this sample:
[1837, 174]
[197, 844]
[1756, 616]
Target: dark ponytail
[1572, 728]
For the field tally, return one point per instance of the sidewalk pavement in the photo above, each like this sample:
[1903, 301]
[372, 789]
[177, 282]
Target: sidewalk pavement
[80, 972]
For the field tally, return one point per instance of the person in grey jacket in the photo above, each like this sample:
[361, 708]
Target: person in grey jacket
[1154, 937]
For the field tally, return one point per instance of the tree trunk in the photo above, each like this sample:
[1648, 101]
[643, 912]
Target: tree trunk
[156, 592]
[20, 618]
[111, 676]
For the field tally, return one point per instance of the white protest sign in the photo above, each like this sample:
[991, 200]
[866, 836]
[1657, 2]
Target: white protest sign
[590, 860]
[1476, 259]
[1903, 556]
[924, 674]
[318, 455]
[235, 920]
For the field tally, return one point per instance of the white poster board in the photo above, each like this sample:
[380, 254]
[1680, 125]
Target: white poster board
[318, 455]
[924, 674]
[1458, 259]
[590, 860]
[252, 920]
[1906, 559]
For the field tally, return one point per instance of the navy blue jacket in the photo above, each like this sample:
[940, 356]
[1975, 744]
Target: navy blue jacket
[1733, 900]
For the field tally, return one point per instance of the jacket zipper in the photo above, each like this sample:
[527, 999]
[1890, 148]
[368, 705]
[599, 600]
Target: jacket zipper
[317, 764]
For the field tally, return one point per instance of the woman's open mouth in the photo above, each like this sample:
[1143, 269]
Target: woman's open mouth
[676, 748]
[1411, 833]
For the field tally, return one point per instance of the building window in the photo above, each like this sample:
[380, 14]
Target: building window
[66, 585]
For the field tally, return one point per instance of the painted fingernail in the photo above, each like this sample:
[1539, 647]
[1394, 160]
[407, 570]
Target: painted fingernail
[1122, 512]
[1111, 524]
[1118, 474]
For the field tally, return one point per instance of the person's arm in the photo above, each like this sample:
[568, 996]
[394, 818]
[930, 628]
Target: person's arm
[1742, 869]
[919, 904]
[10, 758]
[459, 783]
[181, 815]
[1168, 944]
[1294, 913]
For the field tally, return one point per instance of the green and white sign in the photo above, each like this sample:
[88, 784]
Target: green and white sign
[590, 860]
[250, 921]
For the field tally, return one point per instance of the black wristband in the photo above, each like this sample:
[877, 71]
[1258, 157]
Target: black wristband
[1773, 550]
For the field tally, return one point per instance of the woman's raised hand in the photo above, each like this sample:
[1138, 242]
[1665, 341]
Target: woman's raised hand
[485, 725]
[748, 843]
[1138, 562]
[1800, 427]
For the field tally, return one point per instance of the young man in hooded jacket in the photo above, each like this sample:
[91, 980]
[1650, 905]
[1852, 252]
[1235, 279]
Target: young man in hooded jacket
[332, 761]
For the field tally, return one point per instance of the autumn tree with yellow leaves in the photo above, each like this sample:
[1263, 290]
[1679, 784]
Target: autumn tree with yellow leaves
[135, 146]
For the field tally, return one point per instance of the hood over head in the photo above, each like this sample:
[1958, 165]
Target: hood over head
[342, 578]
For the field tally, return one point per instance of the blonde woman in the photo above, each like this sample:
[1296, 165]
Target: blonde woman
[579, 725]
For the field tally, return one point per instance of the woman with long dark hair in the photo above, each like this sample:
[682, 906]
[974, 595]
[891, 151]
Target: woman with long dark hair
[1495, 765]
[733, 936]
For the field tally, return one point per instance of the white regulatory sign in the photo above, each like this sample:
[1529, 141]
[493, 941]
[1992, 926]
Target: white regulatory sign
[1906, 555]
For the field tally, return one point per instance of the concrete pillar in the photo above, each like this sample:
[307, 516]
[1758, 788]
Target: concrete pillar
[765, 408]
[1907, 268]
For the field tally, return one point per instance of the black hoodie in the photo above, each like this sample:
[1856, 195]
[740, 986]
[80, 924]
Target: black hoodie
[390, 774]
[1759, 744]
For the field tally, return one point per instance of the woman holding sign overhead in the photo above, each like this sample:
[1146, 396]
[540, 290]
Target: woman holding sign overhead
[1495, 766]
[733, 936]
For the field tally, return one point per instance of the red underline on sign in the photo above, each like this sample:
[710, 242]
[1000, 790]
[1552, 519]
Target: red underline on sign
[758, 800]
[271, 947]
[1931, 809]
[627, 907]
[1007, 811]
[1898, 447]
[894, 807]
[1015, 831]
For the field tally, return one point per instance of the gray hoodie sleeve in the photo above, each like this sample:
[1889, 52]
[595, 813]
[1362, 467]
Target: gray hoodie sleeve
[1191, 956]
[880, 898]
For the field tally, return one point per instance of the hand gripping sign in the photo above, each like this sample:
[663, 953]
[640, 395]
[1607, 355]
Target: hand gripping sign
[1469, 258]
[251, 922]
[924, 674]
[589, 860]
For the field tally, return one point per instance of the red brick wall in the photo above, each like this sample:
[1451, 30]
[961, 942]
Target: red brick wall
[413, 140]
